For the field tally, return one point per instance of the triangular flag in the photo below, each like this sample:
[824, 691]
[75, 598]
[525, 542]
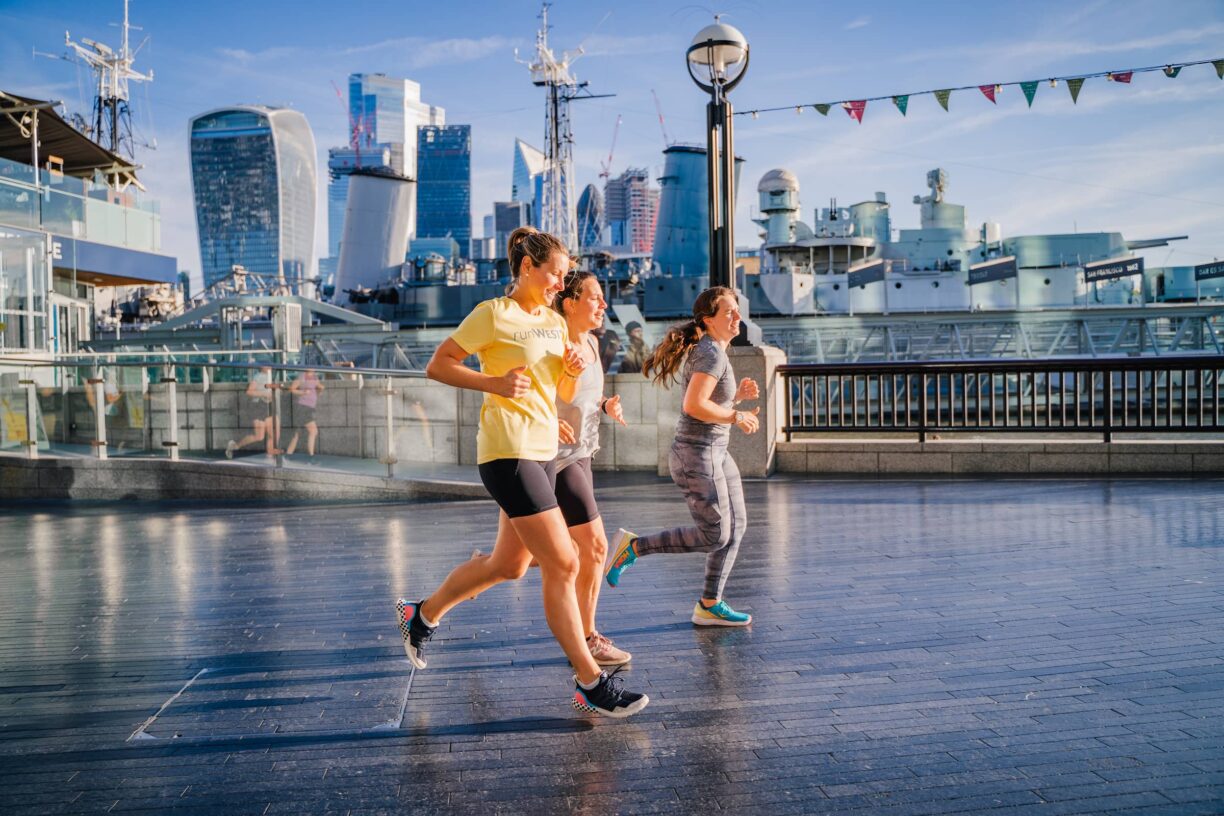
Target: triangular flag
[823, 110]
[988, 91]
[1074, 85]
[1124, 76]
[1171, 71]
[901, 102]
[942, 96]
[1219, 66]
[855, 109]
[1030, 90]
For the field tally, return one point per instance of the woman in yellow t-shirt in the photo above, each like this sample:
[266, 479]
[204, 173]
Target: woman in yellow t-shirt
[525, 362]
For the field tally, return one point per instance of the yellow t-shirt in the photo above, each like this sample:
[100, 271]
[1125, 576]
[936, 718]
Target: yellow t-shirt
[504, 336]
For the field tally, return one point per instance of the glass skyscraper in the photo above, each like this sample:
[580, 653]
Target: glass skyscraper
[528, 175]
[444, 183]
[387, 111]
[384, 114]
[590, 217]
[253, 177]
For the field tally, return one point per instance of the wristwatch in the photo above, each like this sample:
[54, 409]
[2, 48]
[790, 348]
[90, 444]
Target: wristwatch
[739, 417]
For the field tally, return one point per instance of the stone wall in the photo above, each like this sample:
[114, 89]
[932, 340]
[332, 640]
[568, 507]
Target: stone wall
[950, 457]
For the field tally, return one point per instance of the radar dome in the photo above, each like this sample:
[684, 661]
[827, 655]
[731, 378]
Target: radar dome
[777, 180]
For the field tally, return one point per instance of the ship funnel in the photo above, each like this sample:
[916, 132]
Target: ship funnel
[682, 232]
[377, 218]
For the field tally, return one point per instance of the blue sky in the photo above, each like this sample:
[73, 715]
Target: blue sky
[1145, 159]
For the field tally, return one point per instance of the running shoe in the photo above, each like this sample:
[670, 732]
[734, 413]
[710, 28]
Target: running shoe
[229, 449]
[605, 653]
[623, 555]
[719, 615]
[608, 698]
[413, 630]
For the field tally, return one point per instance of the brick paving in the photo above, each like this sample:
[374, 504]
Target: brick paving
[920, 647]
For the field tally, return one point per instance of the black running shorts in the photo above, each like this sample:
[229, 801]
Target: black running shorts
[521, 487]
[576, 493]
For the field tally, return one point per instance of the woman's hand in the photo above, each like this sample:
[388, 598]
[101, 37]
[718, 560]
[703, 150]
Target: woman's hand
[573, 362]
[748, 390]
[749, 423]
[565, 432]
[513, 384]
[612, 408]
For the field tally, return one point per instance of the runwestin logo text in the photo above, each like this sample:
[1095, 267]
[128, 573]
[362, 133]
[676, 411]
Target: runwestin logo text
[544, 334]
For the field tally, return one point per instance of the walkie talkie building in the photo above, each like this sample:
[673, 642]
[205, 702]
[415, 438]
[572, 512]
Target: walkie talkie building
[254, 179]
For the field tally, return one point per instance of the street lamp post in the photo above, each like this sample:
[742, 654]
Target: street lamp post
[717, 60]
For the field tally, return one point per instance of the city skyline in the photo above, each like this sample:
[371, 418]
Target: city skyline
[1138, 159]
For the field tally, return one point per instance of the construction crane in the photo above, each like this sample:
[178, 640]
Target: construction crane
[667, 142]
[606, 167]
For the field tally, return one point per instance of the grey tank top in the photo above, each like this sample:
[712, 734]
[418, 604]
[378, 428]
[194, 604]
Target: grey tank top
[583, 413]
[707, 357]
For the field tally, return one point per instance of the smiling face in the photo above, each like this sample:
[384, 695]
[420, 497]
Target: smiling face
[585, 311]
[540, 283]
[724, 325]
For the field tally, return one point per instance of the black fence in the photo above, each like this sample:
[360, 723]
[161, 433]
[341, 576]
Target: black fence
[1130, 394]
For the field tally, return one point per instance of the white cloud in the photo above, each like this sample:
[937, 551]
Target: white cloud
[1048, 50]
[858, 22]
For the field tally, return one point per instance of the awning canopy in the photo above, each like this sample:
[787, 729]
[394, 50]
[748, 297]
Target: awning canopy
[81, 156]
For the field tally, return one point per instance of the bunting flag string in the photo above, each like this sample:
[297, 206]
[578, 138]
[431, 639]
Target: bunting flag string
[856, 107]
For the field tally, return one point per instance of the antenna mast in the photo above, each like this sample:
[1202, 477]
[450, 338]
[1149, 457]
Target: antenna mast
[112, 122]
[558, 213]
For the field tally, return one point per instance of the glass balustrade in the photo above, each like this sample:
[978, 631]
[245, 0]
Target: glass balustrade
[251, 412]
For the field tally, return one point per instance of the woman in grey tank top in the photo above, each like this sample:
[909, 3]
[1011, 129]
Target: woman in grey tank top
[699, 461]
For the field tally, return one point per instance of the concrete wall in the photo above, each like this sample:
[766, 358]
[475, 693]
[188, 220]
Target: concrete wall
[157, 479]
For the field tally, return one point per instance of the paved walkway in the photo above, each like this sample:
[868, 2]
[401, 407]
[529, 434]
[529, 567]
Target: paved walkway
[1000, 647]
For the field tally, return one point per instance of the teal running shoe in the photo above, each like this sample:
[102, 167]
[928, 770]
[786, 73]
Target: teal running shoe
[623, 555]
[719, 615]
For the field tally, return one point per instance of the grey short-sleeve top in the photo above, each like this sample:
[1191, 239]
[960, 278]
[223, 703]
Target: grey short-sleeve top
[707, 357]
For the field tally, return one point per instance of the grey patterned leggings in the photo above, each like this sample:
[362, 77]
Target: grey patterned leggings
[711, 483]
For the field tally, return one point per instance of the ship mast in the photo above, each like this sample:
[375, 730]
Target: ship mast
[112, 116]
[558, 211]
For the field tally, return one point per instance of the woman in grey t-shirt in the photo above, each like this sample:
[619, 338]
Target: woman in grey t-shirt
[699, 462]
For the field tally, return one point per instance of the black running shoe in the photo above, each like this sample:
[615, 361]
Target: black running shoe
[608, 698]
[413, 630]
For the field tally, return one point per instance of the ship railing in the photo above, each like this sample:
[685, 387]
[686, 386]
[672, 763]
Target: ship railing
[365, 420]
[1144, 395]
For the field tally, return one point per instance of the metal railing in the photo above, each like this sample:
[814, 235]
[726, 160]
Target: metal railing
[1106, 396]
[351, 418]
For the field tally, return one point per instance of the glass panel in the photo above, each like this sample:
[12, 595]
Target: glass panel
[18, 205]
[13, 428]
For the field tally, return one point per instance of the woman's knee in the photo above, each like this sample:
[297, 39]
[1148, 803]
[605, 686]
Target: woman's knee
[560, 566]
[509, 569]
[593, 551]
[717, 536]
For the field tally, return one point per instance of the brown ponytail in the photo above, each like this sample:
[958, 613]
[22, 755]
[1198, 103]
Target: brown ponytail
[529, 242]
[664, 362]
